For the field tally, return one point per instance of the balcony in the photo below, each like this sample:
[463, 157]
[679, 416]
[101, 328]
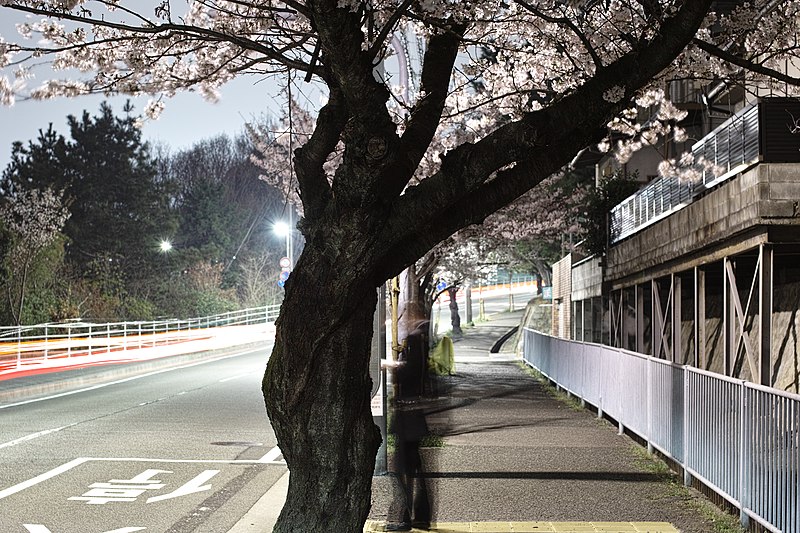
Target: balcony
[763, 132]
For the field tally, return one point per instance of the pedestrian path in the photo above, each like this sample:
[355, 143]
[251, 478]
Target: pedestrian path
[537, 527]
[506, 455]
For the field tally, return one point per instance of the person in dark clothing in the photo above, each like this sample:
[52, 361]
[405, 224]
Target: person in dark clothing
[411, 505]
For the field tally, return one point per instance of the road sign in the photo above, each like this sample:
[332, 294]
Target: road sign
[285, 263]
[284, 275]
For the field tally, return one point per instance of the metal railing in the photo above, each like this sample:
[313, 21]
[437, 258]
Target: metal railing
[730, 148]
[740, 439]
[42, 342]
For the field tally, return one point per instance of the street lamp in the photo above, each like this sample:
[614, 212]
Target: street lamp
[165, 246]
[283, 229]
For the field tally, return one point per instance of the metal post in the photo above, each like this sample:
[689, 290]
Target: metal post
[469, 305]
[744, 454]
[639, 306]
[687, 410]
[727, 316]
[379, 378]
[765, 314]
[677, 312]
[699, 317]
[19, 346]
[46, 342]
[657, 321]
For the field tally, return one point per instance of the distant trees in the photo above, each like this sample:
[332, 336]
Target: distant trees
[107, 200]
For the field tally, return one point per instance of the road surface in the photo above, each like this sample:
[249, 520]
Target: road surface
[177, 451]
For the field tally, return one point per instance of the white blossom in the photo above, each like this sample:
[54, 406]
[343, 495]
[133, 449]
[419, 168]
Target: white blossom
[153, 109]
[614, 94]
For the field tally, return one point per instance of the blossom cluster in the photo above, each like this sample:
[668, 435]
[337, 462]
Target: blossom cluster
[35, 217]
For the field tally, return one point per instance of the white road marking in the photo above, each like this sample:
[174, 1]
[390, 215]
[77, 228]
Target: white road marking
[81, 460]
[187, 461]
[190, 487]
[38, 528]
[42, 477]
[34, 436]
[117, 382]
[271, 457]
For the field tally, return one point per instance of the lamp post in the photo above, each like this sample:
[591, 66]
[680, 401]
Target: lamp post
[283, 229]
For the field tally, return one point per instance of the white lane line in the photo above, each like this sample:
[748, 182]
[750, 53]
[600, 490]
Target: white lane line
[234, 377]
[117, 382]
[42, 477]
[34, 436]
[271, 457]
[187, 461]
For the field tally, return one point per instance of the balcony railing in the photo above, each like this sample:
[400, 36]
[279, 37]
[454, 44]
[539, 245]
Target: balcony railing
[762, 132]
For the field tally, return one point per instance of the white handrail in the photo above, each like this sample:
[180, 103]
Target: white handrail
[740, 439]
[20, 345]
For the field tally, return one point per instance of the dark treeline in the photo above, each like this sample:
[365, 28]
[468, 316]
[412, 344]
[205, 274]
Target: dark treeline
[124, 198]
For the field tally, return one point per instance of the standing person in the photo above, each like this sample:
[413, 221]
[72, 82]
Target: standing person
[411, 506]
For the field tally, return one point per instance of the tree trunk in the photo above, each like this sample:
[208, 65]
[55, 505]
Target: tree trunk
[414, 314]
[455, 318]
[317, 392]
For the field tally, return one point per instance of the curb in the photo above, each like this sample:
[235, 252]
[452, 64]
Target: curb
[374, 526]
[264, 513]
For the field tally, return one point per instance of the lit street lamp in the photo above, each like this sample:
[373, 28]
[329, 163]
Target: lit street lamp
[165, 246]
[283, 229]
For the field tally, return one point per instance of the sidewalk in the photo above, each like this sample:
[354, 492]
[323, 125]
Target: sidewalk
[511, 457]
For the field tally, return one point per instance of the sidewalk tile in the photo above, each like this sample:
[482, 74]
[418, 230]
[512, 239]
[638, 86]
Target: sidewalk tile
[615, 527]
[532, 527]
[573, 527]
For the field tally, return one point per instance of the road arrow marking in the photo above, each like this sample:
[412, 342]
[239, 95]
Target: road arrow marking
[190, 487]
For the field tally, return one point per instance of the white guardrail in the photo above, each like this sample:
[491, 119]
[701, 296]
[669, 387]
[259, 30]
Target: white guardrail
[68, 343]
[740, 439]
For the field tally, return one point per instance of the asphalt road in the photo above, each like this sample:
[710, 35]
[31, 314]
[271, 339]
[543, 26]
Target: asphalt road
[178, 451]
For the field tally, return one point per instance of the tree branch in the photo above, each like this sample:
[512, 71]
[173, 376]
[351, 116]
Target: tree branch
[746, 64]
[437, 67]
[389, 28]
[598, 63]
[315, 191]
[476, 179]
[155, 29]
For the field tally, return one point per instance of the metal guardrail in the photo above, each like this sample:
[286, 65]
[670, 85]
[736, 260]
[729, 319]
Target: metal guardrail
[731, 148]
[20, 344]
[740, 439]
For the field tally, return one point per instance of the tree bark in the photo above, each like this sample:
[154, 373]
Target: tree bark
[317, 389]
[455, 318]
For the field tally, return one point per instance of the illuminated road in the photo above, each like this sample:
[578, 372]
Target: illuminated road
[182, 450]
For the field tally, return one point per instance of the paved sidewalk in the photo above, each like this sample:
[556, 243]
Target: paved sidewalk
[510, 457]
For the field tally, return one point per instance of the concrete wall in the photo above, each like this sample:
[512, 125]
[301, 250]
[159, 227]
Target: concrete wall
[562, 300]
[587, 279]
[733, 215]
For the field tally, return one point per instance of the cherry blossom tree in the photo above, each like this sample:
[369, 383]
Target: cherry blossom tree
[512, 90]
[34, 218]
